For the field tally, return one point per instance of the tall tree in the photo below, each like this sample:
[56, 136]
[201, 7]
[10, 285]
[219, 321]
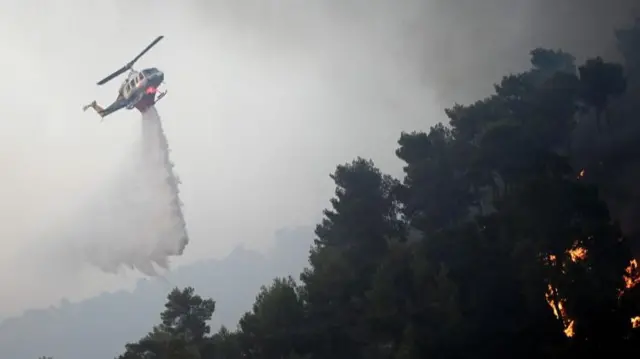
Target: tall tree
[351, 240]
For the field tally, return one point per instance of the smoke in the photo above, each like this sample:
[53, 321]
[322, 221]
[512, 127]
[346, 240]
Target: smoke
[472, 44]
[290, 88]
[136, 221]
[460, 48]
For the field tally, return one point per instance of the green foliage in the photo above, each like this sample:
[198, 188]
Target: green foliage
[182, 333]
[226, 344]
[352, 240]
[185, 315]
[272, 329]
[468, 256]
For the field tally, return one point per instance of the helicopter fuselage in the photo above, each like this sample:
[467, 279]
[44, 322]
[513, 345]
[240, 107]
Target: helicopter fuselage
[140, 88]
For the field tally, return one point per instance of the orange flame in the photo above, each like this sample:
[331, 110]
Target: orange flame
[557, 305]
[568, 331]
[578, 253]
[632, 275]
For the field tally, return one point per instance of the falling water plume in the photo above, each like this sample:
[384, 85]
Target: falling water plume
[137, 222]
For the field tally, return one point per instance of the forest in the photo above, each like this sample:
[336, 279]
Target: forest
[495, 244]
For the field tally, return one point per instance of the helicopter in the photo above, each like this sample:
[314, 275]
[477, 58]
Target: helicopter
[138, 90]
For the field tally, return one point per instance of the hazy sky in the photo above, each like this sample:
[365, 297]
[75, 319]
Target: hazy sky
[265, 98]
[260, 109]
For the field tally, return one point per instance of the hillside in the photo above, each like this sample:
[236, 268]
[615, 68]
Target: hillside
[99, 327]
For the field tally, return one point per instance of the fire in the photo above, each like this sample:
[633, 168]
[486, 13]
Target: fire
[577, 254]
[568, 331]
[631, 275]
[557, 308]
[557, 304]
[580, 174]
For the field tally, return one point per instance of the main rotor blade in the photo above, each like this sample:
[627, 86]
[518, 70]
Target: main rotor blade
[152, 44]
[114, 75]
[130, 64]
